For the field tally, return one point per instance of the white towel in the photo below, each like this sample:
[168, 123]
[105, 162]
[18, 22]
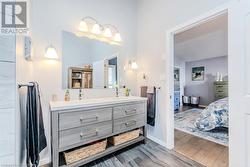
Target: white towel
[150, 89]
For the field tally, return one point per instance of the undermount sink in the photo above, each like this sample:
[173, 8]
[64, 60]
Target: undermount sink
[61, 105]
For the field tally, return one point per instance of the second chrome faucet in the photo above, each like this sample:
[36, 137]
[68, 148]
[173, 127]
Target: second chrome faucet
[80, 94]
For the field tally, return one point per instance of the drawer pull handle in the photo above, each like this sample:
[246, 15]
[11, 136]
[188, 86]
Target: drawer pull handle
[131, 123]
[128, 112]
[91, 119]
[88, 135]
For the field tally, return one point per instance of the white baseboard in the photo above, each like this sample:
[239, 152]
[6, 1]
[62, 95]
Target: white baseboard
[157, 141]
[44, 161]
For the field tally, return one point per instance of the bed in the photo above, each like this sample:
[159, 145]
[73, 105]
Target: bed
[215, 115]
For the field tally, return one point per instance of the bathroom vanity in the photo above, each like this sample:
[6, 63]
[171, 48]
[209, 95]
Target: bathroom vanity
[77, 123]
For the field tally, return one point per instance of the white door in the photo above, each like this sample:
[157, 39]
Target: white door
[7, 100]
[99, 74]
[239, 84]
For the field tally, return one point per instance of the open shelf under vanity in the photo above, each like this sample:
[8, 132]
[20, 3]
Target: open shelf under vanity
[109, 150]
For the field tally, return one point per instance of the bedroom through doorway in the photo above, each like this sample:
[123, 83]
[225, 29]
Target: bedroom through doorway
[201, 92]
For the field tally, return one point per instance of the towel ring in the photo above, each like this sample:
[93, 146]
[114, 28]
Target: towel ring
[22, 85]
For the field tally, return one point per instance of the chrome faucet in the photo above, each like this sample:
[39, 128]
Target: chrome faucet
[80, 94]
[116, 91]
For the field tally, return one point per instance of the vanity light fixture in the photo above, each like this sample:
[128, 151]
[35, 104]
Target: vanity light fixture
[134, 65]
[107, 32]
[96, 29]
[117, 37]
[90, 28]
[51, 52]
[83, 27]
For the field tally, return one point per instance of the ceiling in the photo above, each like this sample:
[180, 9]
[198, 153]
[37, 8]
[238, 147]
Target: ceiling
[204, 41]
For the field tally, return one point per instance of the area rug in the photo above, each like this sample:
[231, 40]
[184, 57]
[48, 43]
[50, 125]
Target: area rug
[184, 121]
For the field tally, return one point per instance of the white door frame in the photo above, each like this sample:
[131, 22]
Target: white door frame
[170, 63]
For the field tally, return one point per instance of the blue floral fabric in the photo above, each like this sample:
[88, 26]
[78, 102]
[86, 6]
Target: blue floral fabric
[215, 115]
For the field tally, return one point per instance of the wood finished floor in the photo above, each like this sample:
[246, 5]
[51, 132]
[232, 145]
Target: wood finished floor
[149, 155]
[203, 151]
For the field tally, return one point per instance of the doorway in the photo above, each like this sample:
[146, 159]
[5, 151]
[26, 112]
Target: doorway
[239, 90]
[201, 92]
[197, 71]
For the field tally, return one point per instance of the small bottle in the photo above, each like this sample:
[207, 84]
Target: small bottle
[67, 96]
[127, 91]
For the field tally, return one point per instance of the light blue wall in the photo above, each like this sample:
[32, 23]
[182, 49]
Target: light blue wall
[204, 89]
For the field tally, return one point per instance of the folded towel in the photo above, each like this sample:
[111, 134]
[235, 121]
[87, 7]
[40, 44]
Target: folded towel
[150, 89]
[144, 91]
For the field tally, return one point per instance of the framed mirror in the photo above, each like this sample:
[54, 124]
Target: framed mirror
[88, 63]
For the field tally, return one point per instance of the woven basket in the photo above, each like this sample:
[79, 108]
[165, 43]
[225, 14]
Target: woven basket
[84, 152]
[122, 138]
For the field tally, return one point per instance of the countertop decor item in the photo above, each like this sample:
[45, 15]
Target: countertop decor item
[67, 96]
[127, 91]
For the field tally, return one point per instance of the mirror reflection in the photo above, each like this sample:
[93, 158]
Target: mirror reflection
[88, 63]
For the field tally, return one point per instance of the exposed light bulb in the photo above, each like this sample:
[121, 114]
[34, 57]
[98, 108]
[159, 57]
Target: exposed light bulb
[51, 53]
[134, 65]
[83, 26]
[107, 33]
[117, 37]
[96, 29]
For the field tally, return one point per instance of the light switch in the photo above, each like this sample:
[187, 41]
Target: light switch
[162, 77]
[163, 56]
[27, 48]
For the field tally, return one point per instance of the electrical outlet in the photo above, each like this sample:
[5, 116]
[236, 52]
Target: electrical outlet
[162, 77]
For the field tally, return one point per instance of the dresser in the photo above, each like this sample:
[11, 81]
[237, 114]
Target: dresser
[220, 90]
[75, 124]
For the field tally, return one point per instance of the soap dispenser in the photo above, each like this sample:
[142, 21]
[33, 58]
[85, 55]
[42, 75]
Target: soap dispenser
[67, 96]
[127, 92]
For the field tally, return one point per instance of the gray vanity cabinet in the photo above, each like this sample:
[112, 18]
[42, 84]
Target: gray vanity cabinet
[73, 128]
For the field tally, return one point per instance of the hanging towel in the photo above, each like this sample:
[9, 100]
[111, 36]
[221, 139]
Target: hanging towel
[35, 136]
[150, 93]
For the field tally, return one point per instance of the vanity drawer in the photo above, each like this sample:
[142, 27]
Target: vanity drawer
[128, 110]
[81, 118]
[84, 134]
[129, 123]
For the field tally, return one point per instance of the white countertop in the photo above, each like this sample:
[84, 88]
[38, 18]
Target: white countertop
[74, 104]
